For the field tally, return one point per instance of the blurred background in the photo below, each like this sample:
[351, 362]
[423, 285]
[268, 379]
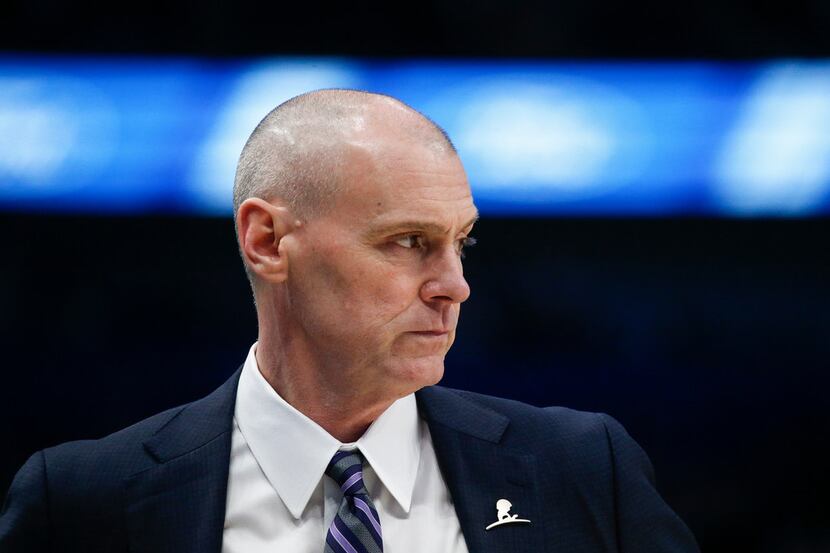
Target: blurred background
[654, 180]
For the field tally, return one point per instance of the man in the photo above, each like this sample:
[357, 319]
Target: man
[352, 211]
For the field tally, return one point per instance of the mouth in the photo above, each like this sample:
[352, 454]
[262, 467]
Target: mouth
[429, 342]
[431, 332]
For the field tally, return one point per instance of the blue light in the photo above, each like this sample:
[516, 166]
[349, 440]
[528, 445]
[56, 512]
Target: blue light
[776, 158]
[163, 135]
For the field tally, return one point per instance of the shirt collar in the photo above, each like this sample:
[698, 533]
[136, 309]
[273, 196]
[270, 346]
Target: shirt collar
[293, 451]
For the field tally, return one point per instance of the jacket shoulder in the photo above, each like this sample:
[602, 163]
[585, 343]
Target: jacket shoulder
[577, 440]
[589, 461]
[541, 423]
[127, 452]
[61, 488]
[94, 469]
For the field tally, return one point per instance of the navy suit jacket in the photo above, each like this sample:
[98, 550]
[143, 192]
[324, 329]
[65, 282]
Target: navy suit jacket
[160, 485]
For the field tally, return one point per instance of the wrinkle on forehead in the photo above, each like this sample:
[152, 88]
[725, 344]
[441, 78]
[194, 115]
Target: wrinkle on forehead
[392, 224]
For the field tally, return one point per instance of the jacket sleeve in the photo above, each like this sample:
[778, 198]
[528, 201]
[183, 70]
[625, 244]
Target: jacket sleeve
[644, 522]
[24, 520]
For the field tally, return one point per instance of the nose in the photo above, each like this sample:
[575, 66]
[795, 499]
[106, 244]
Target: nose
[446, 283]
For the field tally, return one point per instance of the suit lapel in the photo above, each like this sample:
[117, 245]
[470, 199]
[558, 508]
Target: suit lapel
[480, 470]
[178, 504]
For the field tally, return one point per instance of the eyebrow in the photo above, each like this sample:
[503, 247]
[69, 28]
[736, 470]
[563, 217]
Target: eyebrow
[417, 225]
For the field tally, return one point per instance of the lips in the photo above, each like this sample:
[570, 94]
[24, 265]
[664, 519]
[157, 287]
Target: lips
[431, 332]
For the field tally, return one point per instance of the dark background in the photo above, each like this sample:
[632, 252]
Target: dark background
[435, 28]
[707, 338]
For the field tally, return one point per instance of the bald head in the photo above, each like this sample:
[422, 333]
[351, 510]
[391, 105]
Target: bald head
[297, 152]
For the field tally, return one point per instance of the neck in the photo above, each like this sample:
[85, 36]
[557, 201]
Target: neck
[336, 404]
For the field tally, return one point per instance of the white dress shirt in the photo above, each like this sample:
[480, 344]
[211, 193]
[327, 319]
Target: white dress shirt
[279, 499]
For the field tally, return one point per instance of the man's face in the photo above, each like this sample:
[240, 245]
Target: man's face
[375, 285]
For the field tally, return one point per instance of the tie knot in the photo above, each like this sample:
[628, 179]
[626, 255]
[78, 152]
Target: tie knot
[346, 468]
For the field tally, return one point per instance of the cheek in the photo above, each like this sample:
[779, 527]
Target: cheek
[322, 288]
[397, 289]
[381, 296]
[364, 292]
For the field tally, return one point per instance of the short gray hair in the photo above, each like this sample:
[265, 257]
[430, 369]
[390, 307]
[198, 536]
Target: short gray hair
[296, 152]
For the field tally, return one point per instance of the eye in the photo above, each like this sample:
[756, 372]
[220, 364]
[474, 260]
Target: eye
[410, 241]
[466, 242]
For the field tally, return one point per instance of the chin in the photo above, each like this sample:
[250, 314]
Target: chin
[414, 374]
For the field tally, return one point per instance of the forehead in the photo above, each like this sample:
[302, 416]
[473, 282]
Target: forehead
[400, 181]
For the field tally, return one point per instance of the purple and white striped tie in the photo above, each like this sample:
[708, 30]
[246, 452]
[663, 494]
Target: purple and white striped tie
[356, 526]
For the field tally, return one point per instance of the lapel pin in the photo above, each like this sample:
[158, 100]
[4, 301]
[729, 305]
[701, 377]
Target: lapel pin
[503, 514]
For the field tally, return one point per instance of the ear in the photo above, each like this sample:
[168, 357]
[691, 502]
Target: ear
[261, 226]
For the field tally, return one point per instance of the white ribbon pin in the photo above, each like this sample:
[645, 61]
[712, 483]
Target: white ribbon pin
[504, 517]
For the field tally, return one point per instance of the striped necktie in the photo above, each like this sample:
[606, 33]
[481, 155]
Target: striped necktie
[356, 526]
